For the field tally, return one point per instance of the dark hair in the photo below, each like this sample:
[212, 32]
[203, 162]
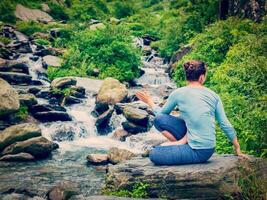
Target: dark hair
[194, 69]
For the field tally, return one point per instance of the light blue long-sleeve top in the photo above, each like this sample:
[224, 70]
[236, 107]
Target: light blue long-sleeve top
[199, 107]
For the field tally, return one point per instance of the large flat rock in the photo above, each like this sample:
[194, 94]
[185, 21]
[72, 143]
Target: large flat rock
[214, 179]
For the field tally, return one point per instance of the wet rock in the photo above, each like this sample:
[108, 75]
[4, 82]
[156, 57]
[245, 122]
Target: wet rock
[16, 78]
[34, 58]
[6, 53]
[46, 94]
[17, 133]
[61, 83]
[52, 61]
[97, 26]
[27, 99]
[65, 134]
[43, 52]
[104, 118]
[134, 128]
[147, 50]
[72, 100]
[9, 99]
[117, 155]
[49, 116]
[135, 115]
[78, 91]
[46, 108]
[214, 179]
[61, 193]
[120, 134]
[26, 14]
[18, 66]
[111, 92]
[55, 32]
[97, 159]
[34, 90]
[39, 147]
[17, 157]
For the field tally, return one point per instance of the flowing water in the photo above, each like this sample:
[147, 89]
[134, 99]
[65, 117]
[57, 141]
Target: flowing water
[68, 165]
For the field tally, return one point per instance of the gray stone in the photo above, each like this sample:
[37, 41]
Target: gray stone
[9, 99]
[61, 83]
[138, 116]
[27, 14]
[97, 159]
[61, 193]
[53, 61]
[134, 128]
[27, 99]
[217, 178]
[49, 116]
[16, 78]
[103, 119]
[17, 157]
[17, 133]
[110, 93]
[117, 155]
[39, 147]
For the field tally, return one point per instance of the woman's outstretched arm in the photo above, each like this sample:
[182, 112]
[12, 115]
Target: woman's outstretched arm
[228, 128]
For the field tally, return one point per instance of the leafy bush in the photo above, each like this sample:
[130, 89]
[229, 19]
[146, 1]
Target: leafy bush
[110, 50]
[7, 12]
[42, 42]
[123, 9]
[22, 113]
[139, 191]
[57, 11]
[30, 27]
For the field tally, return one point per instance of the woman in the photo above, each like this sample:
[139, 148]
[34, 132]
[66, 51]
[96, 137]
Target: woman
[191, 135]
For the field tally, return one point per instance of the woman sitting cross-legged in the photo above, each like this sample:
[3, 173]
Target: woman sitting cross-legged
[191, 135]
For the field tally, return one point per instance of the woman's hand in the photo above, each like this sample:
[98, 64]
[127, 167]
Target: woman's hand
[145, 97]
[240, 154]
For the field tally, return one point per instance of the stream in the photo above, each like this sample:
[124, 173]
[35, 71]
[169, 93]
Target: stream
[68, 165]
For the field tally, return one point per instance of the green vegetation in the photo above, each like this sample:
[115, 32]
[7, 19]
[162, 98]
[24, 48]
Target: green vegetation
[109, 50]
[139, 190]
[42, 42]
[22, 113]
[30, 27]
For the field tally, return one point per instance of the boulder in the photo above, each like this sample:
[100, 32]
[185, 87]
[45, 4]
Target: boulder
[72, 100]
[97, 26]
[63, 134]
[49, 116]
[9, 99]
[111, 92]
[18, 133]
[116, 155]
[53, 61]
[97, 159]
[135, 115]
[26, 14]
[45, 7]
[18, 66]
[114, 20]
[39, 147]
[17, 157]
[27, 99]
[46, 108]
[61, 193]
[61, 83]
[120, 134]
[16, 78]
[134, 128]
[216, 179]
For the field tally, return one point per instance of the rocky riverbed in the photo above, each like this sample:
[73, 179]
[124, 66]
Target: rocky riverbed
[74, 136]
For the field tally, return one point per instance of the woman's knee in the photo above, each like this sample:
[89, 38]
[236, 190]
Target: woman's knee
[159, 121]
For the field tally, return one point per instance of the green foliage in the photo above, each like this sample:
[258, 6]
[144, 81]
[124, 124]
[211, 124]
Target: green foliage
[4, 40]
[30, 27]
[123, 9]
[22, 113]
[7, 12]
[42, 42]
[110, 50]
[57, 12]
[139, 191]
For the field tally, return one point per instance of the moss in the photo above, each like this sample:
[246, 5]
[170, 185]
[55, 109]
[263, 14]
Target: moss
[22, 113]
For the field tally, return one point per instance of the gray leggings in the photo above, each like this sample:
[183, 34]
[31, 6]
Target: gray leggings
[176, 154]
